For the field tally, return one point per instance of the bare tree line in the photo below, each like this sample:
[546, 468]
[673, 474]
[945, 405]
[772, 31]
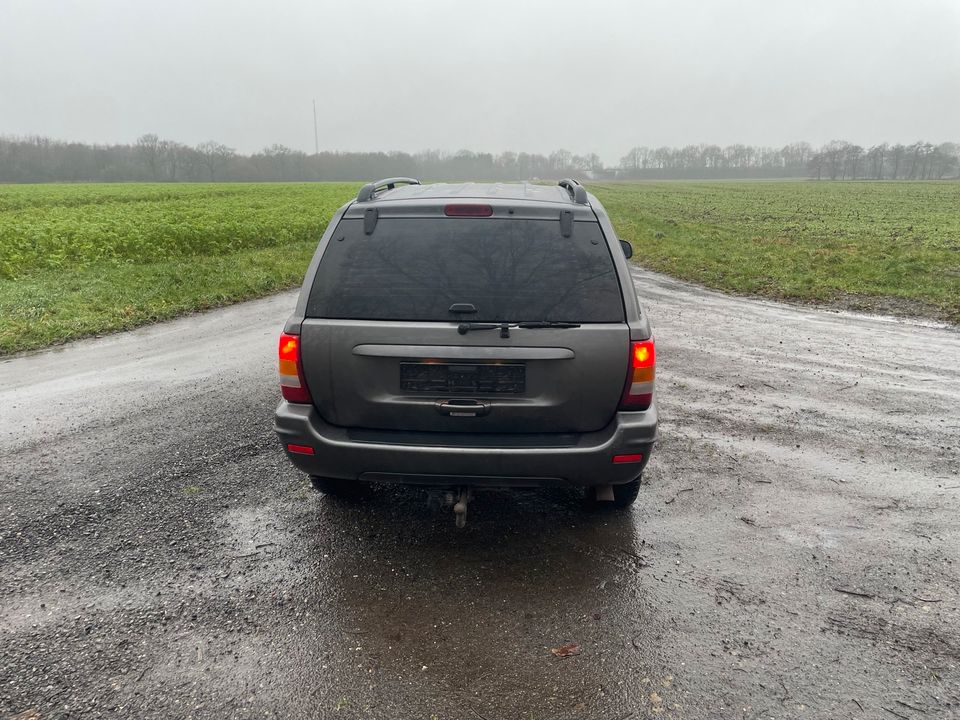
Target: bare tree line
[837, 160]
[152, 159]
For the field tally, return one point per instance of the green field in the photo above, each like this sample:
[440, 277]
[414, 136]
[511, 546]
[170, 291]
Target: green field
[80, 260]
[890, 247]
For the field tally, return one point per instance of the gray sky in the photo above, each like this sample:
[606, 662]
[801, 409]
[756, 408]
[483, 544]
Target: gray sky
[533, 75]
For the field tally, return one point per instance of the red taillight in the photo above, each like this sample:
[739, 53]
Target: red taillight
[635, 458]
[638, 391]
[292, 384]
[468, 210]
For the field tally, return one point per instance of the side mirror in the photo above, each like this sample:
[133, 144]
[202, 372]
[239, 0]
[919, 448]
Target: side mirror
[627, 249]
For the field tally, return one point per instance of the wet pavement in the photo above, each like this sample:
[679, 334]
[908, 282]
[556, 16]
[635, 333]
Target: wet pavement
[794, 554]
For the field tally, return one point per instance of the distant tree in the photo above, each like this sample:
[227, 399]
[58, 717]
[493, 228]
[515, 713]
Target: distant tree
[506, 162]
[875, 157]
[662, 157]
[796, 155]
[768, 158]
[532, 166]
[148, 150]
[277, 162]
[816, 164]
[897, 153]
[690, 157]
[635, 159]
[713, 157]
[947, 159]
[213, 156]
[485, 167]
[914, 155]
[739, 155]
[853, 156]
[175, 158]
[835, 157]
[560, 160]
[926, 157]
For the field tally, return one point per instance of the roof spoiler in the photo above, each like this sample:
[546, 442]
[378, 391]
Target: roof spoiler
[370, 189]
[578, 193]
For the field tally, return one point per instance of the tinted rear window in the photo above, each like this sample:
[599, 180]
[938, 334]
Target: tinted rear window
[511, 270]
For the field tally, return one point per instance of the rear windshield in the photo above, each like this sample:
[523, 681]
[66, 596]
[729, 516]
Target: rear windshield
[511, 270]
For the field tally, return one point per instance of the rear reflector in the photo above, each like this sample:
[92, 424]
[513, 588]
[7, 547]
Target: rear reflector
[292, 383]
[468, 211]
[302, 449]
[638, 391]
[618, 459]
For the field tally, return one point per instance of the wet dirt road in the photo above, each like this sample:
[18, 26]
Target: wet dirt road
[796, 553]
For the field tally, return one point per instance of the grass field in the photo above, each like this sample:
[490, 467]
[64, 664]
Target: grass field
[887, 247]
[79, 260]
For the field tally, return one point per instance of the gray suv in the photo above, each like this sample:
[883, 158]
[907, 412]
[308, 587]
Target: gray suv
[464, 335]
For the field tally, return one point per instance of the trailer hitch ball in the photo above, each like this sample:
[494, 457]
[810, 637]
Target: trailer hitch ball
[460, 508]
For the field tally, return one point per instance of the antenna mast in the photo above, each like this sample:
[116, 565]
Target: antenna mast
[316, 137]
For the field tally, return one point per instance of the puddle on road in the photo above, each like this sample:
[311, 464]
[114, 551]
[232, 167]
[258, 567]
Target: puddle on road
[438, 617]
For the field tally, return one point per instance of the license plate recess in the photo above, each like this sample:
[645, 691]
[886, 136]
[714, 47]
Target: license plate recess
[463, 378]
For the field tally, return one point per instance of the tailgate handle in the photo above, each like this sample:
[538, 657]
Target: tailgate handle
[462, 408]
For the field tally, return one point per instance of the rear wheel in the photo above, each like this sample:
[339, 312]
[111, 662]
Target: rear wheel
[623, 496]
[348, 489]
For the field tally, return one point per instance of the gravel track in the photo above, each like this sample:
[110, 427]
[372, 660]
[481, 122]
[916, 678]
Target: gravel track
[795, 553]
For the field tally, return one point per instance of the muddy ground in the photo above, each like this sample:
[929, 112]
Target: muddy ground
[795, 553]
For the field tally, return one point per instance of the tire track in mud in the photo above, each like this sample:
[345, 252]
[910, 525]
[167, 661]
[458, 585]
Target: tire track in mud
[822, 448]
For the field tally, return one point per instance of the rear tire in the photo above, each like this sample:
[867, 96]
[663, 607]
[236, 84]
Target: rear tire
[346, 489]
[623, 496]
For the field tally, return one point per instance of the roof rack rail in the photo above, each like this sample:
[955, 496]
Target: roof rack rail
[578, 193]
[370, 189]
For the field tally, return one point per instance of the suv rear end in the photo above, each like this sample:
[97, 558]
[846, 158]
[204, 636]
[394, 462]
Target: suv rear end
[465, 335]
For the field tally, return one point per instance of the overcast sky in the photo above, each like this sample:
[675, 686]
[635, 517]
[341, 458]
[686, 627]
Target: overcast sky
[533, 75]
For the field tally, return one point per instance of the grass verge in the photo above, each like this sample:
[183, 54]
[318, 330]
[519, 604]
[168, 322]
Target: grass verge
[53, 307]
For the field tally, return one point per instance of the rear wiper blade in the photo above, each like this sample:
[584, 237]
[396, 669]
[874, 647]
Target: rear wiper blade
[534, 324]
[504, 328]
[465, 327]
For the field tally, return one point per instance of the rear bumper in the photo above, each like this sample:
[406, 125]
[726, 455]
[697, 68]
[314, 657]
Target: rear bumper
[461, 459]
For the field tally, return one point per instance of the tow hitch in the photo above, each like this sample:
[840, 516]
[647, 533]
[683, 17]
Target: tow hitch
[459, 502]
